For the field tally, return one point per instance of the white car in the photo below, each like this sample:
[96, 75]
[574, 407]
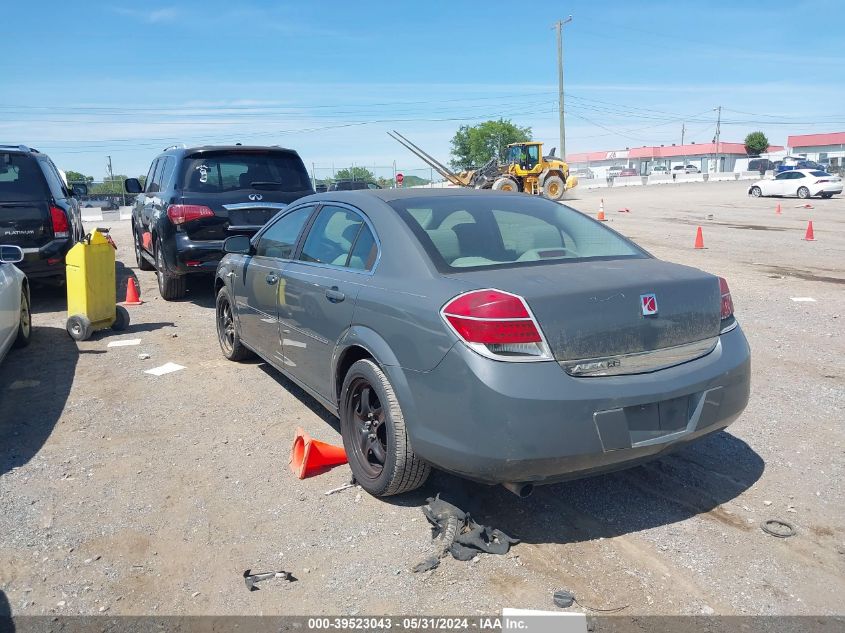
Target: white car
[660, 170]
[614, 171]
[685, 169]
[15, 317]
[803, 183]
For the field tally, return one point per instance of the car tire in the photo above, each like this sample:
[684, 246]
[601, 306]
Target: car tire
[374, 434]
[505, 184]
[227, 328]
[827, 195]
[170, 287]
[143, 264]
[803, 193]
[25, 323]
[756, 192]
[121, 319]
[79, 327]
[554, 187]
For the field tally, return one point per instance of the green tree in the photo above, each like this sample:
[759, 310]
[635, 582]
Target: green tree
[75, 176]
[108, 185]
[756, 143]
[474, 145]
[355, 173]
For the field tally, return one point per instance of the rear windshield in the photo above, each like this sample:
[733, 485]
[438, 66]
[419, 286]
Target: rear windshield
[21, 179]
[470, 232]
[819, 173]
[230, 171]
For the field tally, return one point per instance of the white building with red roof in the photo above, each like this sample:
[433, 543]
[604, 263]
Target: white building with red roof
[823, 148]
[707, 157]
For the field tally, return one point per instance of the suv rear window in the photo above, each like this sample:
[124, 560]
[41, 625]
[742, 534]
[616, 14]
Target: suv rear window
[230, 171]
[21, 179]
[469, 232]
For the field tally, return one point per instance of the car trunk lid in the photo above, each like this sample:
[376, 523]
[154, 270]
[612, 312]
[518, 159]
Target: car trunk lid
[594, 310]
[25, 223]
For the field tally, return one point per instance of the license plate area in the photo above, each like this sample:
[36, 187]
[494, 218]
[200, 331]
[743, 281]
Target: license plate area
[250, 217]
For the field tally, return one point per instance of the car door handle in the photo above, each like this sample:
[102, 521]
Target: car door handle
[334, 295]
[272, 278]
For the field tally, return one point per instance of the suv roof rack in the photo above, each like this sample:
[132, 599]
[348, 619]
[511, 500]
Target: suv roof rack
[22, 148]
[176, 146]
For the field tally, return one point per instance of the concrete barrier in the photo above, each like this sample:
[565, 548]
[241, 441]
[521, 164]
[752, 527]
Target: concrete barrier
[749, 175]
[689, 177]
[660, 179]
[721, 176]
[592, 183]
[628, 181]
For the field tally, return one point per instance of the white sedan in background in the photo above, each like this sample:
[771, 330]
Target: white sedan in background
[15, 316]
[803, 183]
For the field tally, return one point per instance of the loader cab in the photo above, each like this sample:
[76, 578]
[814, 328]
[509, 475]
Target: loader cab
[527, 156]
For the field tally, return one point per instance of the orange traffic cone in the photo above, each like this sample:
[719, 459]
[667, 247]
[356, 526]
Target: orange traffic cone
[809, 236]
[777, 209]
[132, 298]
[699, 238]
[600, 216]
[308, 456]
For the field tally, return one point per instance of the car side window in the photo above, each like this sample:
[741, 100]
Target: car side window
[280, 238]
[54, 181]
[150, 174]
[798, 175]
[332, 236]
[154, 186]
[782, 176]
[166, 172]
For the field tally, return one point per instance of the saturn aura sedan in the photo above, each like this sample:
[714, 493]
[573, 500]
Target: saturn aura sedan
[15, 318]
[804, 183]
[503, 337]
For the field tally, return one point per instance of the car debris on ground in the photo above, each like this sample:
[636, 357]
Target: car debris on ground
[251, 579]
[459, 535]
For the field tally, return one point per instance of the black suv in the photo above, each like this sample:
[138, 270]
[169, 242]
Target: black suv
[38, 211]
[351, 185]
[196, 197]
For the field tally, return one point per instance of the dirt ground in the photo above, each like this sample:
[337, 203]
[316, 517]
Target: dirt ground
[127, 493]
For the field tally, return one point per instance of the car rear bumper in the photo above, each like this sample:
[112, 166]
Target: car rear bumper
[45, 261]
[502, 422]
[193, 256]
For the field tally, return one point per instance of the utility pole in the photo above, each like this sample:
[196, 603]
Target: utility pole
[718, 134]
[559, 29]
[683, 132]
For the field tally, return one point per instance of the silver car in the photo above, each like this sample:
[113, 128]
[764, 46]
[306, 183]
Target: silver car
[503, 337]
[15, 317]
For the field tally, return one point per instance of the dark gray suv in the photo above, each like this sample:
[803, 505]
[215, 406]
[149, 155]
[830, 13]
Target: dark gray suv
[503, 337]
[38, 211]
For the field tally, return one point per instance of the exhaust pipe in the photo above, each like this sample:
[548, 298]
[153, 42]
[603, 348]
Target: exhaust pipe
[521, 490]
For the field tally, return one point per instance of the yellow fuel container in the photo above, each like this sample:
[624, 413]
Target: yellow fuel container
[91, 291]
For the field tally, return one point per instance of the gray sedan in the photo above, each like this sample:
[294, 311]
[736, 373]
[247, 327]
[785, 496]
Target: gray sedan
[502, 337]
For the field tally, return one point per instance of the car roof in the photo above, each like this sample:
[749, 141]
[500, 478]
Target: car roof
[179, 149]
[359, 196]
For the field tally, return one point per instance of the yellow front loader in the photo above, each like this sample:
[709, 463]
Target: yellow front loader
[525, 169]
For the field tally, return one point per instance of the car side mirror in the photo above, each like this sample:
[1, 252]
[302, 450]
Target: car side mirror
[79, 190]
[238, 245]
[10, 254]
[133, 185]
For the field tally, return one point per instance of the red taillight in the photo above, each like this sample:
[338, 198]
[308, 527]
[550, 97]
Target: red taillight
[181, 213]
[727, 302]
[818, 182]
[61, 227]
[496, 324]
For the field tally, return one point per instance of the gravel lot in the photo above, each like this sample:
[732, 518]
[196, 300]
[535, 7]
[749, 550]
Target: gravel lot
[128, 493]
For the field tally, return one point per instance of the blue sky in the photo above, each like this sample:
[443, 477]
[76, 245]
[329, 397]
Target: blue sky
[82, 80]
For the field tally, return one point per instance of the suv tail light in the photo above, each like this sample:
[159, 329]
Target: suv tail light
[61, 227]
[181, 213]
[727, 306]
[496, 324]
